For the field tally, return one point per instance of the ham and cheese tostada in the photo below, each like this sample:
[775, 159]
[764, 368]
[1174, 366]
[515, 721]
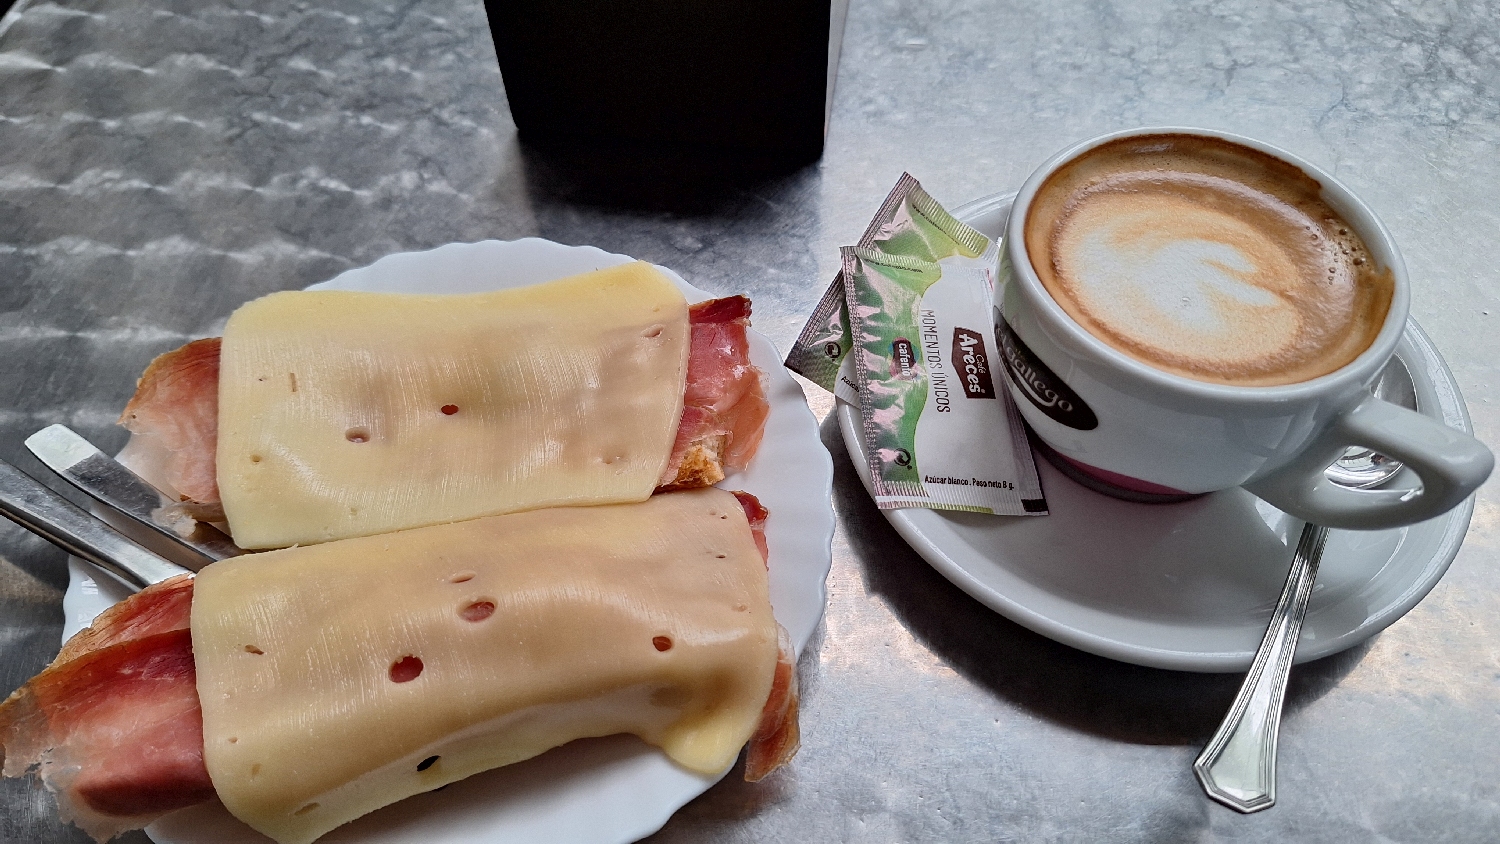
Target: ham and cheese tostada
[308, 686]
[322, 415]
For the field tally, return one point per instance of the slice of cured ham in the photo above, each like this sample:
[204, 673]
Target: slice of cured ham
[777, 738]
[174, 414]
[724, 405]
[174, 420]
[114, 726]
[163, 608]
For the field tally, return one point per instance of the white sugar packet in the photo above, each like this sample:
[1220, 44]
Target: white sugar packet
[939, 425]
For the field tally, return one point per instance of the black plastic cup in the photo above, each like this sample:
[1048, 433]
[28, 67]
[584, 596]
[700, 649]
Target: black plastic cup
[695, 76]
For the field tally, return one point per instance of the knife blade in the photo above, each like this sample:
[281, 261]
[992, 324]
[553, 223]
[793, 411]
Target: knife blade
[82, 464]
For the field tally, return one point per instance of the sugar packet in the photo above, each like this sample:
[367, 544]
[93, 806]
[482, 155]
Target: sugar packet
[940, 429]
[909, 222]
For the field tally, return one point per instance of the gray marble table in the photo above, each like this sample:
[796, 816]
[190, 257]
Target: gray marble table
[163, 161]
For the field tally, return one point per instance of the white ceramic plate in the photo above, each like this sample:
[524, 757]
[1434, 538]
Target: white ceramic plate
[600, 791]
[1182, 586]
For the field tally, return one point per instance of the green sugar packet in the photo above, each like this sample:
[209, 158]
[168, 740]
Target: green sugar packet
[909, 222]
[940, 430]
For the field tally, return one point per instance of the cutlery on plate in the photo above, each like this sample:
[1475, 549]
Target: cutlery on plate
[82, 464]
[1238, 767]
[30, 504]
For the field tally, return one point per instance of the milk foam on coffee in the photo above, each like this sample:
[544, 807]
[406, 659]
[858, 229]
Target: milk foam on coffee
[1206, 259]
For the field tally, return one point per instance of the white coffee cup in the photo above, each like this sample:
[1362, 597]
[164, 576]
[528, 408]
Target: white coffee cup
[1147, 433]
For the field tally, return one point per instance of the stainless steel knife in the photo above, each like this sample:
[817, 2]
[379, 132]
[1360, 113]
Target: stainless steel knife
[25, 501]
[104, 478]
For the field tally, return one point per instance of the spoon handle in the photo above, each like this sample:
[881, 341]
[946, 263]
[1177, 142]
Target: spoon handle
[1238, 767]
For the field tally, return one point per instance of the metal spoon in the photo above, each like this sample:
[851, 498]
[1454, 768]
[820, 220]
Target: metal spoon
[1238, 767]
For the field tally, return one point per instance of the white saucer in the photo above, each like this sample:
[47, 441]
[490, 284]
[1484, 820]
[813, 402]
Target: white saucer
[1181, 586]
[597, 791]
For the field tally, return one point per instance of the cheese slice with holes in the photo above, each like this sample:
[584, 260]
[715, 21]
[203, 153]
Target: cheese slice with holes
[349, 414]
[339, 678]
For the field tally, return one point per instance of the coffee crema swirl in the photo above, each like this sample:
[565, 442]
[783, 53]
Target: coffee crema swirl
[1206, 259]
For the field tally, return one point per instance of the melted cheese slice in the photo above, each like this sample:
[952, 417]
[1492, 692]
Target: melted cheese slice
[650, 618]
[349, 414]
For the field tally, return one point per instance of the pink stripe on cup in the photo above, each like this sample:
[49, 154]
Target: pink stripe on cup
[1122, 481]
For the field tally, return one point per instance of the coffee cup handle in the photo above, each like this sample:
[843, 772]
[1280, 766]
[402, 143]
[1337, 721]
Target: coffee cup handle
[1450, 464]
